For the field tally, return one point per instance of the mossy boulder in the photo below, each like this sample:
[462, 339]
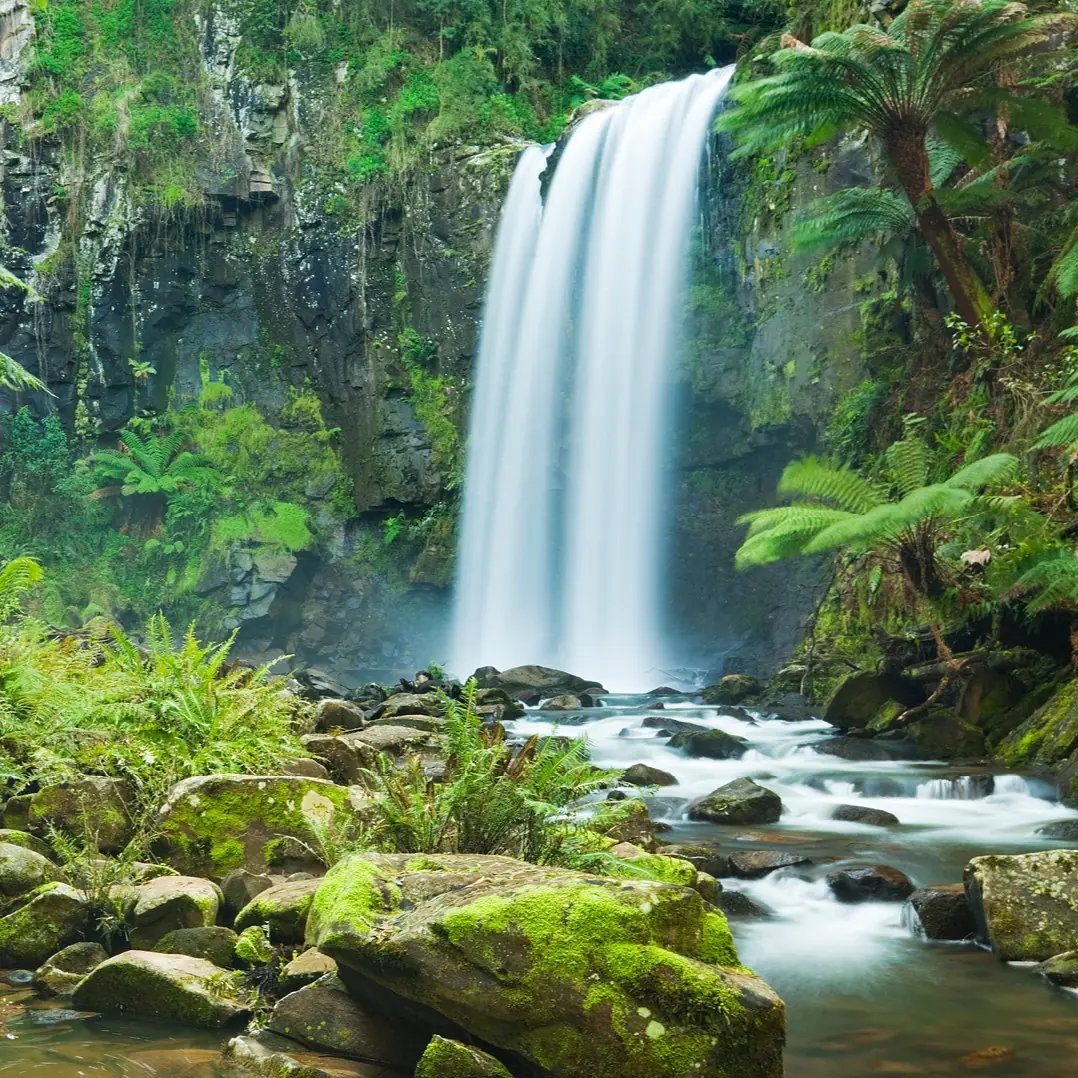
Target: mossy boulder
[94, 807]
[240, 887]
[1026, 906]
[577, 974]
[166, 987]
[214, 943]
[444, 1058]
[26, 841]
[267, 1055]
[323, 1016]
[170, 902]
[47, 919]
[305, 969]
[253, 948]
[943, 735]
[859, 698]
[1048, 739]
[738, 802]
[394, 739]
[731, 689]
[333, 715]
[283, 909]
[710, 745]
[342, 757]
[1061, 969]
[62, 972]
[210, 825]
[22, 870]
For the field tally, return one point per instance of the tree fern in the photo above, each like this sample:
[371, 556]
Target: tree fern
[153, 466]
[811, 477]
[851, 215]
[16, 578]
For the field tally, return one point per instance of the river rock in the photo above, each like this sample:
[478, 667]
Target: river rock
[305, 767]
[753, 864]
[863, 749]
[343, 757]
[22, 870]
[667, 727]
[1026, 906]
[731, 689]
[239, 887]
[93, 807]
[325, 1017]
[168, 903]
[942, 912]
[869, 883]
[710, 745]
[164, 987]
[564, 702]
[214, 943]
[267, 1055]
[427, 703]
[59, 974]
[511, 953]
[864, 814]
[11, 837]
[944, 735]
[283, 909]
[47, 919]
[738, 904]
[1061, 969]
[212, 824]
[305, 969]
[706, 858]
[392, 739]
[510, 708]
[1064, 830]
[859, 697]
[645, 775]
[336, 715]
[450, 1059]
[544, 680]
[740, 801]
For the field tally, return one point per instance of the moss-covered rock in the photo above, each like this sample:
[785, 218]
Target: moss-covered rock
[282, 909]
[48, 919]
[1061, 969]
[93, 807]
[740, 801]
[305, 969]
[943, 735]
[1047, 739]
[165, 987]
[859, 698]
[210, 825]
[170, 902]
[267, 1055]
[63, 971]
[710, 745]
[26, 840]
[1026, 906]
[451, 1059]
[731, 689]
[22, 870]
[214, 943]
[581, 975]
[323, 1016]
[253, 947]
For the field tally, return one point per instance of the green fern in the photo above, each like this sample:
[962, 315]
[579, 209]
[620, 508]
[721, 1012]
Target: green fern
[154, 466]
[851, 215]
[16, 578]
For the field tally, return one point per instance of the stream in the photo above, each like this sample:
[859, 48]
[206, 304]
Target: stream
[864, 995]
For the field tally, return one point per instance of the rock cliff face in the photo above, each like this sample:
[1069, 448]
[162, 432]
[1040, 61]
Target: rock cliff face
[272, 282]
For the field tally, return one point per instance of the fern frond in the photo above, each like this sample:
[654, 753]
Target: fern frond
[908, 461]
[851, 215]
[811, 477]
[17, 577]
[987, 472]
[1063, 432]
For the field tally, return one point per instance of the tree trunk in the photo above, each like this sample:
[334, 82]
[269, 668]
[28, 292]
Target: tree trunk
[909, 155]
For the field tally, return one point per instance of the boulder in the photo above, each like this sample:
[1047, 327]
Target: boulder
[862, 749]
[426, 703]
[864, 814]
[323, 1016]
[1026, 906]
[214, 943]
[239, 887]
[450, 1059]
[59, 974]
[753, 864]
[543, 680]
[667, 727]
[1061, 969]
[393, 739]
[944, 735]
[16, 814]
[314, 684]
[645, 775]
[333, 715]
[212, 824]
[563, 702]
[28, 842]
[499, 698]
[163, 905]
[93, 807]
[304, 969]
[942, 912]
[343, 757]
[740, 801]
[22, 870]
[253, 948]
[711, 745]
[267, 1055]
[731, 689]
[577, 974]
[283, 909]
[1064, 830]
[869, 883]
[305, 767]
[164, 987]
[657, 866]
[859, 696]
[706, 858]
[48, 919]
[738, 904]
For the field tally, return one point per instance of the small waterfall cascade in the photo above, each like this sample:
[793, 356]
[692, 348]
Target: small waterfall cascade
[560, 556]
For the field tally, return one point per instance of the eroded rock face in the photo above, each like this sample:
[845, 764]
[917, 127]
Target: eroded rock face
[165, 987]
[577, 974]
[1026, 905]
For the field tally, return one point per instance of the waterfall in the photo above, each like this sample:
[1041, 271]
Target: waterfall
[560, 557]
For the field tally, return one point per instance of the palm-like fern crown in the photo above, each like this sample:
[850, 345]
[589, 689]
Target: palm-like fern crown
[1063, 432]
[898, 80]
[153, 466]
[836, 507]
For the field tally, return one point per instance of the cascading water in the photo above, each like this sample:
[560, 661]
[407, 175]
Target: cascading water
[561, 547]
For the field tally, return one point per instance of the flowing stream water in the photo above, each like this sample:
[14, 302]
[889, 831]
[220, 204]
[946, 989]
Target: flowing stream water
[561, 546]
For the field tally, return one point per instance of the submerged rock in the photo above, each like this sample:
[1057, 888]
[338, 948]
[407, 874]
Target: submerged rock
[738, 904]
[862, 749]
[63, 971]
[1026, 906]
[869, 883]
[282, 909]
[450, 1059]
[1065, 830]
[942, 912]
[48, 919]
[646, 775]
[166, 987]
[575, 973]
[667, 727]
[864, 814]
[740, 801]
[710, 744]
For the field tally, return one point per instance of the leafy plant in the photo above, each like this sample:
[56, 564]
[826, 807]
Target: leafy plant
[154, 465]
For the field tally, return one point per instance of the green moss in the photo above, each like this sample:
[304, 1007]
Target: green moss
[451, 1059]
[253, 947]
[351, 900]
[1048, 737]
